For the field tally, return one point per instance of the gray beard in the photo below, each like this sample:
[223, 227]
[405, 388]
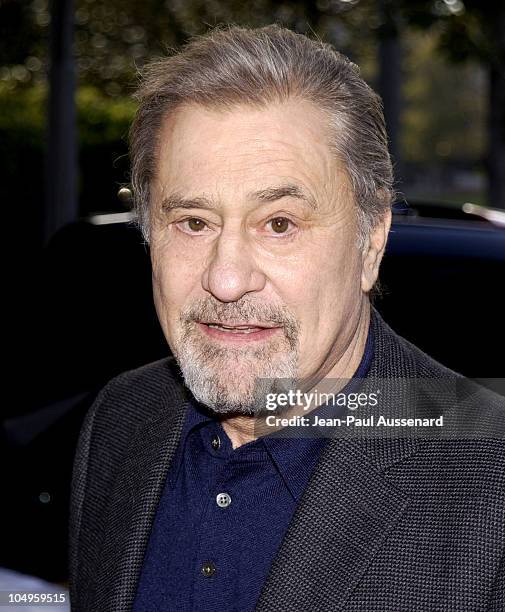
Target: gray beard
[232, 380]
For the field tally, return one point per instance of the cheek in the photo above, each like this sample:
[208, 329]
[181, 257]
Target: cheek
[323, 274]
[173, 278]
[330, 290]
[344, 267]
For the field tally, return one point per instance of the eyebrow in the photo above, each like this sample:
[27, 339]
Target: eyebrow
[175, 200]
[271, 194]
[291, 190]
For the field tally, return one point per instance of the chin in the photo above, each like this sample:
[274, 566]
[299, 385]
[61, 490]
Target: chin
[235, 383]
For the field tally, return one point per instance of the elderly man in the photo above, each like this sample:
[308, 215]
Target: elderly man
[263, 186]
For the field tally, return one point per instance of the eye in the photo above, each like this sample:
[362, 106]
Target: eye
[280, 225]
[193, 225]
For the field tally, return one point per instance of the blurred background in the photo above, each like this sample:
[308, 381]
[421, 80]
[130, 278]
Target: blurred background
[79, 306]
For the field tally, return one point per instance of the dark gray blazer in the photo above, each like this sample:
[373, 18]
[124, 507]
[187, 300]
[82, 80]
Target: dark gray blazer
[389, 524]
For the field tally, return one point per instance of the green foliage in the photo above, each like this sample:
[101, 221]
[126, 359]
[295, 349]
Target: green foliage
[469, 29]
[102, 118]
[23, 111]
[444, 112]
[102, 125]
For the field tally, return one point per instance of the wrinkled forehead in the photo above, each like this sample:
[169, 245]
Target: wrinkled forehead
[246, 147]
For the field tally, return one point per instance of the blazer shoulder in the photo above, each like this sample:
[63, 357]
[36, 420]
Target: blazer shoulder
[142, 389]
[138, 393]
[475, 411]
[127, 400]
[123, 404]
[395, 356]
[468, 392]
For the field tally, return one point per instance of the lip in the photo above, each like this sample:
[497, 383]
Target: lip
[239, 324]
[261, 332]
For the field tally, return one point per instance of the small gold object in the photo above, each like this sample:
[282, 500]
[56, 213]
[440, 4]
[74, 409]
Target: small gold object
[125, 195]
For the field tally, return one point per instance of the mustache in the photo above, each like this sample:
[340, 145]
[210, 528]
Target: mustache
[209, 309]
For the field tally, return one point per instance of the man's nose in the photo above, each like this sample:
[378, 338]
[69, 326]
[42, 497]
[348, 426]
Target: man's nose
[232, 271]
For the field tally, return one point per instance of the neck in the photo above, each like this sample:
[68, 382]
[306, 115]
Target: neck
[241, 429]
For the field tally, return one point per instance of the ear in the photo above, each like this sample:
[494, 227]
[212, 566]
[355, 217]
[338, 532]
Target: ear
[373, 252]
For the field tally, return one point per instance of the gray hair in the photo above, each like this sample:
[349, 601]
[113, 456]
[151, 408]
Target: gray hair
[234, 65]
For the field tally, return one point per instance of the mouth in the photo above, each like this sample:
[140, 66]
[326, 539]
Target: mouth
[237, 332]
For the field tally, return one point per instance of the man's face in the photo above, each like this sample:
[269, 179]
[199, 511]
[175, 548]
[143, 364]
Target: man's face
[256, 265]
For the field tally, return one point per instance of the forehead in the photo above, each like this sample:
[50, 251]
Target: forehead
[203, 148]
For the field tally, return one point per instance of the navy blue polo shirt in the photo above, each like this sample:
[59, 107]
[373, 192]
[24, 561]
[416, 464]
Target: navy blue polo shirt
[223, 513]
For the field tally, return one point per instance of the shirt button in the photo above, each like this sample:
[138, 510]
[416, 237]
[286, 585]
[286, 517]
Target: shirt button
[215, 442]
[208, 569]
[223, 500]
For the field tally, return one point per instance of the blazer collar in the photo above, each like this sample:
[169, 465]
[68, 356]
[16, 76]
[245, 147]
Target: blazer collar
[343, 518]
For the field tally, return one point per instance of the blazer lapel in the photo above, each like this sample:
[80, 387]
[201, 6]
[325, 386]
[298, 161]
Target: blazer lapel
[344, 517]
[132, 508]
[349, 507]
